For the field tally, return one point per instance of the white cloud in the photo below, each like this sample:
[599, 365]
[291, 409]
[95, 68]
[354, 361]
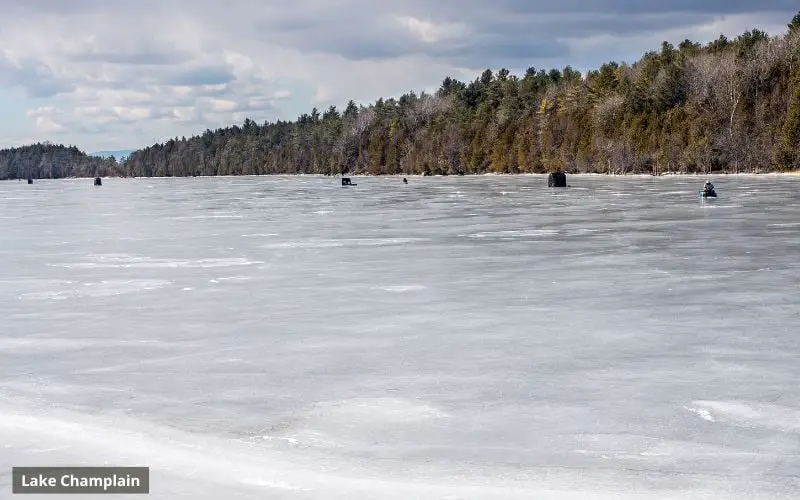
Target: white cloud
[130, 113]
[430, 32]
[45, 119]
[222, 105]
[184, 114]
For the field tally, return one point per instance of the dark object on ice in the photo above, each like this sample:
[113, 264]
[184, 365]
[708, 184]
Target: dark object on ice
[460, 172]
[98, 181]
[708, 190]
[346, 182]
[405, 181]
[30, 180]
[557, 179]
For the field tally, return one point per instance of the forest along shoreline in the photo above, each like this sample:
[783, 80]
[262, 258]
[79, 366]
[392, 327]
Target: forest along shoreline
[729, 106]
[486, 174]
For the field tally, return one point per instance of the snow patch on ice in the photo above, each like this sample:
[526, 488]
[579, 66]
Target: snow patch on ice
[702, 413]
[401, 288]
[99, 289]
[331, 243]
[134, 261]
[742, 414]
[513, 233]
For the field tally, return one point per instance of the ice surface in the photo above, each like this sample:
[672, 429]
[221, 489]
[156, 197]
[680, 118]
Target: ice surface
[470, 337]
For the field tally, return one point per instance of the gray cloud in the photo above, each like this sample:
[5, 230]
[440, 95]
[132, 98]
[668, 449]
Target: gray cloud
[209, 75]
[510, 31]
[35, 77]
[386, 42]
[75, 7]
[496, 50]
[717, 7]
[151, 57]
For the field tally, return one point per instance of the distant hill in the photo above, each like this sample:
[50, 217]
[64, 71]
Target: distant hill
[120, 155]
[53, 161]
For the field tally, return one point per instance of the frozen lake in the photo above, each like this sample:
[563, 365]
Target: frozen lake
[470, 337]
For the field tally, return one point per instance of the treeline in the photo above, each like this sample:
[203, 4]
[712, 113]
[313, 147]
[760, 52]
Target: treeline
[53, 161]
[729, 105]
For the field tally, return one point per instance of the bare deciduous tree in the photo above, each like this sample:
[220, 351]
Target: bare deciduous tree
[716, 83]
[607, 111]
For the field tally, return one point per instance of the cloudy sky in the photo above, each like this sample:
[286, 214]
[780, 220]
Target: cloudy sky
[113, 74]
